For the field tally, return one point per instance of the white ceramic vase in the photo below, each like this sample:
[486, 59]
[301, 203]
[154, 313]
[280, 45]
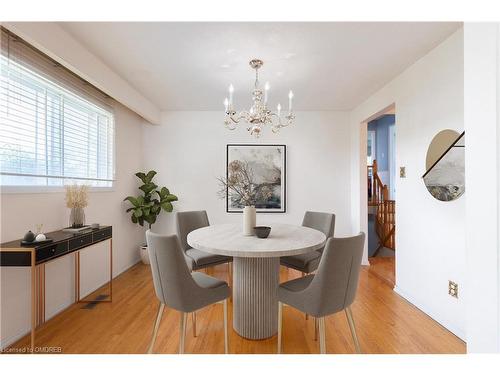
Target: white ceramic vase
[144, 254]
[249, 220]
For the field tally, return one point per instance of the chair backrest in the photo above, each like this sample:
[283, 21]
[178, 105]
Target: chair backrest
[188, 221]
[336, 281]
[174, 285]
[321, 221]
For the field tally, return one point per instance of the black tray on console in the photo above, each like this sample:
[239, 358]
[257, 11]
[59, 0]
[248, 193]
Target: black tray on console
[26, 243]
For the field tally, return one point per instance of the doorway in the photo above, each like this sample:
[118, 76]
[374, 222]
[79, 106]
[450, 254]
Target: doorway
[381, 193]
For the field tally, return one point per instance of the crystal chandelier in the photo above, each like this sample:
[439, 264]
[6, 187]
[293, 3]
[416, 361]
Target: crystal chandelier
[258, 115]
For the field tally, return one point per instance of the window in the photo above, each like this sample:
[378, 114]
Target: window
[55, 128]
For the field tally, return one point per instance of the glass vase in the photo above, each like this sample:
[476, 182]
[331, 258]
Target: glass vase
[77, 217]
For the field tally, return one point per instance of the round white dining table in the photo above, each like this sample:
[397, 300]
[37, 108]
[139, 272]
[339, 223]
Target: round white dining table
[256, 265]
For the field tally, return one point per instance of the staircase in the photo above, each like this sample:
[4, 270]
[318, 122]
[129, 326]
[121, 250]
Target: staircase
[385, 210]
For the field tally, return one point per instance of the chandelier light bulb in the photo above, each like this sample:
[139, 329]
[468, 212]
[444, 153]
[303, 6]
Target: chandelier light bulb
[278, 107]
[231, 90]
[266, 87]
[226, 103]
[290, 97]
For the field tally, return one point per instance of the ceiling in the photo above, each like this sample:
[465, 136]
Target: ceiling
[329, 66]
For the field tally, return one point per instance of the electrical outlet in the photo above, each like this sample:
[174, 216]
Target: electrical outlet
[402, 172]
[453, 289]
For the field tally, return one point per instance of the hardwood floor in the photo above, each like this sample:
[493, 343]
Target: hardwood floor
[385, 322]
[384, 268]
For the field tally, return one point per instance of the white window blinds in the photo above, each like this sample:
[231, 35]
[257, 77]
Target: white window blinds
[55, 127]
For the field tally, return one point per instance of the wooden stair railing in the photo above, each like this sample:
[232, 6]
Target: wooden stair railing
[385, 225]
[377, 191]
[385, 216]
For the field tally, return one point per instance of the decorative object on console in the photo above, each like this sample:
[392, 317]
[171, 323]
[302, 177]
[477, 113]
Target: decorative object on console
[77, 200]
[255, 176]
[39, 233]
[147, 206]
[29, 237]
[258, 115]
[77, 230]
[445, 175]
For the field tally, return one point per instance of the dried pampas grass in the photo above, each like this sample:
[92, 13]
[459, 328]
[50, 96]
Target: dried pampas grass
[77, 196]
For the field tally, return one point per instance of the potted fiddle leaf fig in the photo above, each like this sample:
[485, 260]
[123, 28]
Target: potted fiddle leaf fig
[147, 206]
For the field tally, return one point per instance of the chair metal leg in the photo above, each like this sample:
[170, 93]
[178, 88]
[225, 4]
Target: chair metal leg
[155, 328]
[322, 335]
[182, 332]
[315, 329]
[193, 317]
[229, 278]
[226, 343]
[352, 326]
[280, 325]
[303, 274]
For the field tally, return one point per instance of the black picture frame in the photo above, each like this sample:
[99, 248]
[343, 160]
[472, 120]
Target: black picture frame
[282, 209]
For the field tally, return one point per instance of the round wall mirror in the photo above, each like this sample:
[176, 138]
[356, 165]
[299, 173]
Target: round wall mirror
[445, 166]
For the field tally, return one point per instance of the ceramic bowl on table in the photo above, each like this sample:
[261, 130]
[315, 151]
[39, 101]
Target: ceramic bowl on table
[262, 232]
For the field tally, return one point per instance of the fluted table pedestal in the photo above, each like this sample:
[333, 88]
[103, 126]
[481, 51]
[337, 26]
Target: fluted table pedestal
[256, 266]
[255, 300]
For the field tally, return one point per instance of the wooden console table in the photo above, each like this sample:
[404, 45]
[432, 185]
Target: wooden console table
[12, 254]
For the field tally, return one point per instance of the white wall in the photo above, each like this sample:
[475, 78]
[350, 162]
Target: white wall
[20, 212]
[482, 174]
[189, 152]
[430, 235]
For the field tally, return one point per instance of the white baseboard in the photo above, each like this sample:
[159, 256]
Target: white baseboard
[12, 339]
[432, 314]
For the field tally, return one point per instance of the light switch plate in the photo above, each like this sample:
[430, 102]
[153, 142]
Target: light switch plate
[402, 172]
[453, 289]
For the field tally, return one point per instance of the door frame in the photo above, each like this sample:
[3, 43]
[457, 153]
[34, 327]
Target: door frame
[392, 160]
[372, 135]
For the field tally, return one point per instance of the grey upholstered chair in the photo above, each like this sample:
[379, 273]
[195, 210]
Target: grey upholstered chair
[330, 290]
[179, 289]
[187, 221]
[307, 263]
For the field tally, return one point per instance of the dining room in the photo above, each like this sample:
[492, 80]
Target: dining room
[211, 197]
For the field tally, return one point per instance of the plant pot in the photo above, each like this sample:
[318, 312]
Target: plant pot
[249, 220]
[144, 254]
